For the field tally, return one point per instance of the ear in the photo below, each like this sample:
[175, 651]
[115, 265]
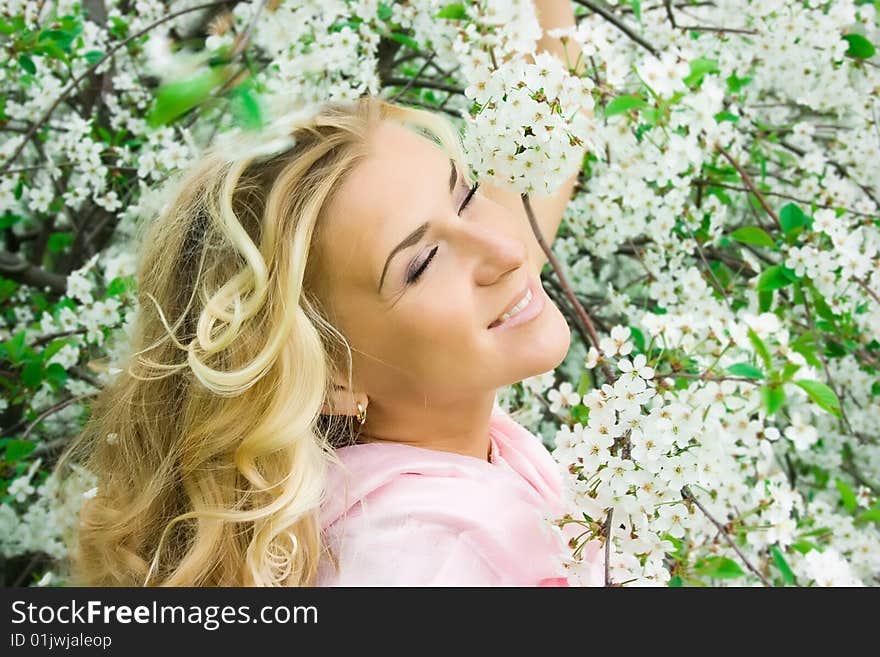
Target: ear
[343, 402]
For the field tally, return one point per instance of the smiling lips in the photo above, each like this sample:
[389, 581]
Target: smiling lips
[528, 305]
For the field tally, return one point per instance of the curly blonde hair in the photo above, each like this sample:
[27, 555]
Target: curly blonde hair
[217, 471]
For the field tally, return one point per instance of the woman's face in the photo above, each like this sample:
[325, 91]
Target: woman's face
[424, 337]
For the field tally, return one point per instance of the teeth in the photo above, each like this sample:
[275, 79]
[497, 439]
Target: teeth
[517, 308]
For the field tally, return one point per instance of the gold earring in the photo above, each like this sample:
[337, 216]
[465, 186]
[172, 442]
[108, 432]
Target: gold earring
[362, 413]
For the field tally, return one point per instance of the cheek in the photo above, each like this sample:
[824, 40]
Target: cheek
[447, 320]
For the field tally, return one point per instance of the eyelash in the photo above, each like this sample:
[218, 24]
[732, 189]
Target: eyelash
[414, 276]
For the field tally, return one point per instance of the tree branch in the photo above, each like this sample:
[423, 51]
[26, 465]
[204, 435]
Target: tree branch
[751, 185]
[619, 24]
[608, 581]
[687, 495]
[22, 271]
[582, 315]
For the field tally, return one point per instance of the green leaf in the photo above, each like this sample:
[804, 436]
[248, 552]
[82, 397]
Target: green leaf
[7, 220]
[246, 108]
[622, 104]
[846, 495]
[62, 38]
[859, 47]
[818, 531]
[746, 370]
[353, 25]
[789, 370]
[791, 217]
[176, 98]
[32, 374]
[871, 515]
[405, 40]
[760, 348]
[15, 348]
[735, 84]
[674, 582]
[56, 373]
[7, 288]
[584, 384]
[790, 274]
[580, 413]
[782, 564]
[384, 12]
[93, 56]
[7, 28]
[638, 338]
[53, 348]
[652, 115]
[57, 242]
[773, 397]
[765, 300]
[720, 568]
[806, 347]
[753, 235]
[700, 67]
[724, 115]
[804, 546]
[774, 278]
[120, 285]
[821, 394]
[27, 64]
[822, 308]
[16, 450]
[455, 12]
[637, 10]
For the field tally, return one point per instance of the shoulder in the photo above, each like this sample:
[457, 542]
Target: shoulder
[435, 530]
[455, 501]
[379, 545]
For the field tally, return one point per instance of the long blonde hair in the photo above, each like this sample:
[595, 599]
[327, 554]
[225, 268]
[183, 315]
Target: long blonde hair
[217, 470]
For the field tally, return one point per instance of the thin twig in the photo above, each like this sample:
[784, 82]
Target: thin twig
[410, 82]
[608, 581]
[423, 84]
[840, 168]
[687, 495]
[248, 32]
[445, 110]
[619, 24]
[54, 409]
[28, 569]
[751, 185]
[667, 4]
[711, 273]
[705, 377]
[864, 286]
[581, 314]
[701, 182]
[820, 350]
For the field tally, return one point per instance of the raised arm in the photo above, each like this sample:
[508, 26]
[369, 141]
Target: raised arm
[548, 209]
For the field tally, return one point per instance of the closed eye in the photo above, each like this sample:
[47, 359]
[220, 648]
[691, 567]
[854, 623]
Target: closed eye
[470, 195]
[413, 276]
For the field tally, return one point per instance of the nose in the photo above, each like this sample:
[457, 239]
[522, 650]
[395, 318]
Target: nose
[494, 249]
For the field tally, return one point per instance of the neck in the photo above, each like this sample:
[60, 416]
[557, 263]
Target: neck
[461, 426]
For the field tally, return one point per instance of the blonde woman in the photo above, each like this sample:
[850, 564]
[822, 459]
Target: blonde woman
[310, 398]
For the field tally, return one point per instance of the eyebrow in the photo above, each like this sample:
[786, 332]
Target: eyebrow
[418, 233]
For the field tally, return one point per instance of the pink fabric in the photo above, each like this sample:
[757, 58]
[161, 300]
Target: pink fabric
[414, 516]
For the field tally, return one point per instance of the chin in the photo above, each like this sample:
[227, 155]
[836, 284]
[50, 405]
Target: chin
[548, 346]
[555, 339]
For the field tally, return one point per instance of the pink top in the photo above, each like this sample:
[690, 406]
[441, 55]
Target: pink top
[415, 516]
